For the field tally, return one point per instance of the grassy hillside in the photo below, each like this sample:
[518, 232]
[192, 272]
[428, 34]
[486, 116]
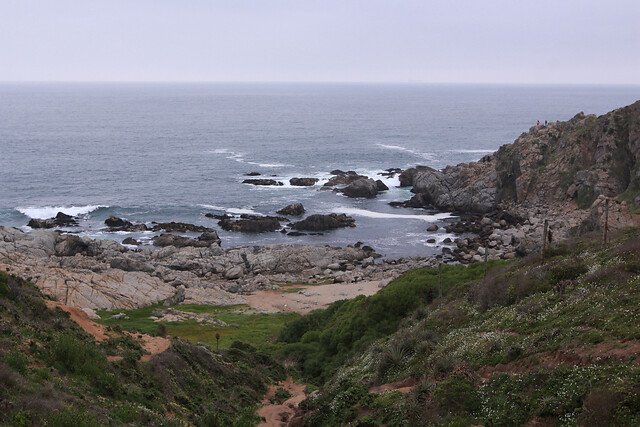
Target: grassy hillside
[553, 344]
[53, 373]
[321, 341]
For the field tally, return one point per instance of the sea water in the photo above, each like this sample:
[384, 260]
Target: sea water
[174, 152]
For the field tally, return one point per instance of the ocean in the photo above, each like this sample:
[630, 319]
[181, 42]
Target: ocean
[174, 152]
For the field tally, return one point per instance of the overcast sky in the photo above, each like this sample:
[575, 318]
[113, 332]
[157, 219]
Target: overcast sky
[471, 41]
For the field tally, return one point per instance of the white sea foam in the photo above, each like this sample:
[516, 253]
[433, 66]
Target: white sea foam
[372, 214]
[46, 212]
[234, 211]
[426, 156]
[231, 155]
[269, 165]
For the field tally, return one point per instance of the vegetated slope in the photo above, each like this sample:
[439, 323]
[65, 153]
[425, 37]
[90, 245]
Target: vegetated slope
[553, 344]
[321, 341]
[53, 372]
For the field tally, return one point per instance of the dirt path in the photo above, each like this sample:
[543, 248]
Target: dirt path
[280, 415]
[153, 345]
[579, 356]
[311, 297]
[98, 331]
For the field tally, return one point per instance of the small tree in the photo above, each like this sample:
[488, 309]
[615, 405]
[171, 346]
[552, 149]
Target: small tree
[161, 330]
[217, 341]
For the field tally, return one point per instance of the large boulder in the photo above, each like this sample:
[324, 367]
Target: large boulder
[303, 182]
[363, 187]
[292, 210]
[324, 222]
[70, 245]
[381, 185]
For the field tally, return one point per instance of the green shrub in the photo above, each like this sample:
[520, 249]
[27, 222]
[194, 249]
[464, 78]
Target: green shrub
[18, 361]
[71, 417]
[457, 394]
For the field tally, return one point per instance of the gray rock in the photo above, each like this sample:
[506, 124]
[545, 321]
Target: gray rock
[233, 272]
[364, 187]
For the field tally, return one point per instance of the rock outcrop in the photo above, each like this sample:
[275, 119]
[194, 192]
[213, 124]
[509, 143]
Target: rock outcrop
[563, 162]
[95, 274]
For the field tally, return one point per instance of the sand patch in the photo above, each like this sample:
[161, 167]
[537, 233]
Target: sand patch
[310, 297]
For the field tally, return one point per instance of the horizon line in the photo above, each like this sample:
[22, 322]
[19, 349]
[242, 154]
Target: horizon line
[443, 83]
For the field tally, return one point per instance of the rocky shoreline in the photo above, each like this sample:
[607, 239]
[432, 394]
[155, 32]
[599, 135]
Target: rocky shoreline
[573, 175]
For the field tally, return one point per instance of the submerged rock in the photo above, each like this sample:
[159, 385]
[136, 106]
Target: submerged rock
[262, 182]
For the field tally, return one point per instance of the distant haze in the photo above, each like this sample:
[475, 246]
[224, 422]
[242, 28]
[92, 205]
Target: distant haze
[465, 41]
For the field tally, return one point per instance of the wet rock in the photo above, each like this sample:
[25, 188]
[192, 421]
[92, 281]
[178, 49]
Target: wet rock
[130, 241]
[261, 181]
[292, 210]
[433, 228]
[381, 185]
[343, 178]
[251, 224]
[391, 172]
[119, 224]
[180, 227]
[324, 222]
[303, 182]
[252, 174]
[363, 187]
[60, 220]
[205, 240]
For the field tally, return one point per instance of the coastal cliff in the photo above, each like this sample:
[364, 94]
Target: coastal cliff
[570, 162]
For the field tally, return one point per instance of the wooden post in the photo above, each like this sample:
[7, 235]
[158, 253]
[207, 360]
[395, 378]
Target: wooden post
[606, 220]
[486, 256]
[217, 341]
[440, 281]
[544, 239]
